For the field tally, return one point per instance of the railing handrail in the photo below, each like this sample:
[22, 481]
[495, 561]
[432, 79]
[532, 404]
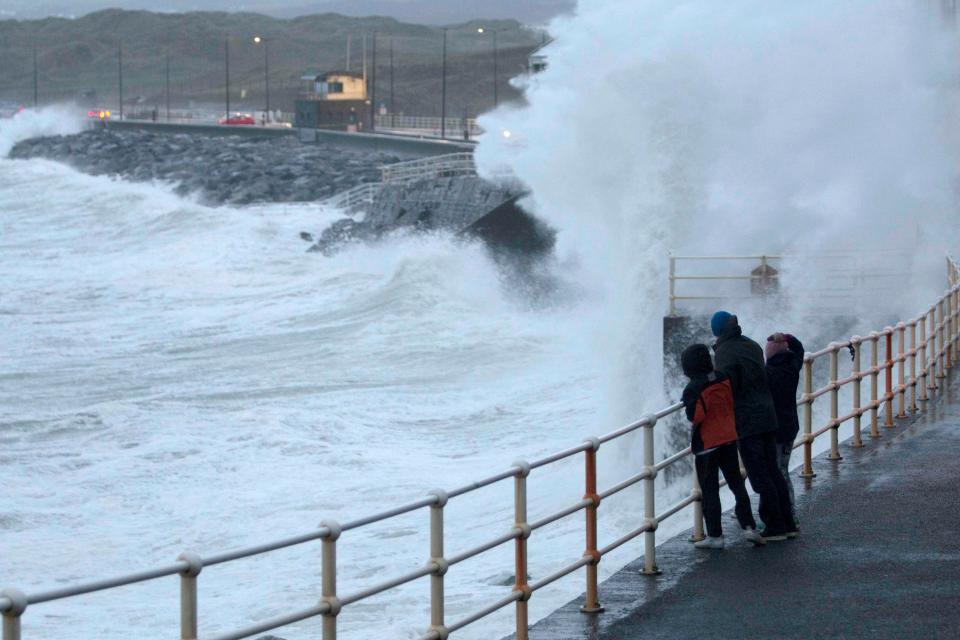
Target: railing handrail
[937, 353]
[768, 278]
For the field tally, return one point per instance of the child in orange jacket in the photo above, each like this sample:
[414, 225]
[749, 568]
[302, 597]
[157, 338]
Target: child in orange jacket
[708, 400]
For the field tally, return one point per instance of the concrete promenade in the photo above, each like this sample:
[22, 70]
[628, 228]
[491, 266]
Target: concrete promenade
[878, 556]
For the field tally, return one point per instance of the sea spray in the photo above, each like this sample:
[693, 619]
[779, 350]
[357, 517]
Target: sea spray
[742, 127]
[54, 120]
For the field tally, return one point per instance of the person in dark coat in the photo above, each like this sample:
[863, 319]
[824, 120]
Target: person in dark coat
[741, 359]
[708, 400]
[784, 355]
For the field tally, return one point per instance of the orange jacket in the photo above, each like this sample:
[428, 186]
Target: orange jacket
[714, 415]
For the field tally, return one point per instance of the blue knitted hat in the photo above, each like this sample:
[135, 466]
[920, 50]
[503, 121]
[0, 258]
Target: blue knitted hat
[719, 322]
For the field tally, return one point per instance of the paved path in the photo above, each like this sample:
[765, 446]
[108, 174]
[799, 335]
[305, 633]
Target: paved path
[878, 557]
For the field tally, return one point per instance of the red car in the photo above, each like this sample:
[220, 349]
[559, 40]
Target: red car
[238, 118]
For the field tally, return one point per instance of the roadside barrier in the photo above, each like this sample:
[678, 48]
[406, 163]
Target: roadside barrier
[932, 351]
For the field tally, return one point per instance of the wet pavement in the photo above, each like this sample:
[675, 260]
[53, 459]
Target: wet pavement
[878, 556]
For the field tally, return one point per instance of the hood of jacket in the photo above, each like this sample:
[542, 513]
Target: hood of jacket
[732, 331]
[696, 361]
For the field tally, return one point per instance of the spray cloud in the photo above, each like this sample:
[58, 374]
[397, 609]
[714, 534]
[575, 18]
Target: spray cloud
[742, 127]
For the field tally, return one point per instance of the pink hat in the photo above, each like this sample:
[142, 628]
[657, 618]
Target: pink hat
[777, 343]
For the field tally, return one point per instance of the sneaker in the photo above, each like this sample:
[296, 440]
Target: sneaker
[754, 536]
[772, 536]
[710, 543]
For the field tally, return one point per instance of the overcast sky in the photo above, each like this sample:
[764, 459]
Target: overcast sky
[428, 11]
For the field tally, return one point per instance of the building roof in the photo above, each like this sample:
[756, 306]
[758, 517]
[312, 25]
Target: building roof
[327, 74]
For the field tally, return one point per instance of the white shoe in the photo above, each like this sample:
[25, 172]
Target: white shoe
[710, 543]
[754, 536]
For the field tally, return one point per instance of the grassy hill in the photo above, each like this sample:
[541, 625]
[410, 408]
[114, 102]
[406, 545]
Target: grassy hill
[78, 57]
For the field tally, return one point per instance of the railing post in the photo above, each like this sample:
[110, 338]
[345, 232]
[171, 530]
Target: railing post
[649, 504]
[947, 320]
[697, 494]
[11, 617]
[188, 595]
[913, 366]
[901, 371]
[807, 418]
[932, 351]
[834, 405]
[874, 384]
[328, 558]
[952, 327]
[520, 565]
[857, 379]
[592, 603]
[439, 564]
[956, 323]
[922, 356]
[673, 285]
[888, 379]
[941, 343]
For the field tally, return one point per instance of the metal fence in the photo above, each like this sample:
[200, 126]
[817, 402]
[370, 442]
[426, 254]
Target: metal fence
[363, 195]
[429, 125]
[445, 166]
[919, 367]
[853, 278]
[356, 198]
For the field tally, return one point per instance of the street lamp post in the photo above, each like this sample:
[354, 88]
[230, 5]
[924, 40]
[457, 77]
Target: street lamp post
[36, 91]
[443, 90]
[168, 84]
[373, 84]
[226, 58]
[393, 107]
[266, 69]
[493, 32]
[120, 76]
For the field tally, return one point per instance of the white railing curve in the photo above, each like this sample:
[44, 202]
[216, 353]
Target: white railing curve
[934, 348]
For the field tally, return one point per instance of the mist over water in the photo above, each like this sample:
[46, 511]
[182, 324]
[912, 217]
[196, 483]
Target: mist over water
[736, 128]
[181, 377]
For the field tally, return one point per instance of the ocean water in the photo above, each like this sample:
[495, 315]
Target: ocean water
[179, 377]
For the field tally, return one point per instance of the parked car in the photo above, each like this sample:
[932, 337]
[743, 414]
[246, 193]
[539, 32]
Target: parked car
[238, 118]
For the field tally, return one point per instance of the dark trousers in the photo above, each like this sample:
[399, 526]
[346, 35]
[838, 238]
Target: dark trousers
[723, 458]
[759, 454]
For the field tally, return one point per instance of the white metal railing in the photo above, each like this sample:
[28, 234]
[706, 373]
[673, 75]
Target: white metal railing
[849, 276]
[363, 195]
[355, 198]
[447, 165]
[927, 359]
[429, 124]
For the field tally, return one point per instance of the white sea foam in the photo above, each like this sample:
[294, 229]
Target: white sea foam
[29, 123]
[185, 377]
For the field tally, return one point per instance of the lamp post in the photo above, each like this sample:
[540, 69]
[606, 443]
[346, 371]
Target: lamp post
[443, 90]
[168, 84]
[493, 32]
[393, 108]
[226, 58]
[120, 76]
[266, 69]
[36, 91]
[373, 84]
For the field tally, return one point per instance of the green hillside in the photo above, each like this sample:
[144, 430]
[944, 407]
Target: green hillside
[77, 58]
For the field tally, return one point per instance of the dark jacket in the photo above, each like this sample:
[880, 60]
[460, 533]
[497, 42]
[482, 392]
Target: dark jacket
[741, 359]
[708, 400]
[783, 377]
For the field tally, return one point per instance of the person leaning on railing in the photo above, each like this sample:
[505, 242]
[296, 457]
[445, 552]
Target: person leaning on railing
[708, 401]
[784, 355]
[741, 359]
